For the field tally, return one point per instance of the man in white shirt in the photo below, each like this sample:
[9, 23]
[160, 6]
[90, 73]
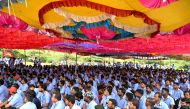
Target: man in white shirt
[23, 86]
[176, 92]
[120, 98]
[167, 98]
[3, 91]
[15, 99]
[106, 96]
[149, 93]
[89, 99]
[158, 102]
[28, 102]
[50, 85]
[112, 104]
[142, 98]
[70, 102]
[57, 102]
[44, 96]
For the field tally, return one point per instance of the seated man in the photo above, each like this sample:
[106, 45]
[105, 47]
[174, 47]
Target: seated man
[57, 102]
[112, 104]
[15, 100]
[28, 102]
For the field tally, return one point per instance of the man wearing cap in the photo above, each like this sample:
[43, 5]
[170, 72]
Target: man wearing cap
[14, 101]
[89, 99]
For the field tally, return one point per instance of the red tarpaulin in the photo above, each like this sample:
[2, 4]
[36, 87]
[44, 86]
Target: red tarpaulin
[11, 38]
[167, 44]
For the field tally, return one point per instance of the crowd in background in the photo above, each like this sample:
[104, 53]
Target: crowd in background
[93, 87]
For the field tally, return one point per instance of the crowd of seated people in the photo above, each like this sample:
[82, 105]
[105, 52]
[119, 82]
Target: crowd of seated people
[93, 87]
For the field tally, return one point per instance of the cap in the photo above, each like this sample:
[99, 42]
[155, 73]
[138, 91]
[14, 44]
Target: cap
[13, 90]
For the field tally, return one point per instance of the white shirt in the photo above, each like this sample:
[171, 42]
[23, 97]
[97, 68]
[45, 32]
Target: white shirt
[74, 107]
[28, 105]
[91, 105]
[59, 105]
[3, 93]
[16, 100]
[23, 87]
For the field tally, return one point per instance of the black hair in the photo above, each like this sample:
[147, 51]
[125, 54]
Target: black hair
[1, 81]
[43, 86]
[135, 102]
[122, 90]
[79, 95]
[165, 89]
[176, 83]
[76, 89]
[57, 95]
[70, 98]
[159, 94]
[109, 89]
[90, 82]
[114, 102]
[129, 96]
[140, 91]
[149, 86]
[32, 93]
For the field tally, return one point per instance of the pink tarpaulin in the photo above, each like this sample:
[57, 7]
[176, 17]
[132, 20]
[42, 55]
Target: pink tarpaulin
[156, 3]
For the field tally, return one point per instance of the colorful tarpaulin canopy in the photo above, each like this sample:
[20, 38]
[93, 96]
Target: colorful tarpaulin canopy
[97, 26]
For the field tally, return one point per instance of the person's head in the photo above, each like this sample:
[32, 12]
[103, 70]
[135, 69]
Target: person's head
[165, 92]
[70, 83]
[1, 82]
[49, 80]
[88, 97]
[90, 83]
[143, 84]
[70, 100]
[42, 87]
[176, 85]
[157, 97]
[31, 87]
[61, 83]
[28, 98]
[24, 81]
[112, 103]
[129, 96]
[150, 103]
[158, 85]
[121, 92]
[108, 91]
[148, 89]
[13, 90]
[32, 93]
[139, 93]
[99, 107]
[78, 95]
[74, 90]
[187, 94]
[134, 104]
[167, 82]
[56, 97]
